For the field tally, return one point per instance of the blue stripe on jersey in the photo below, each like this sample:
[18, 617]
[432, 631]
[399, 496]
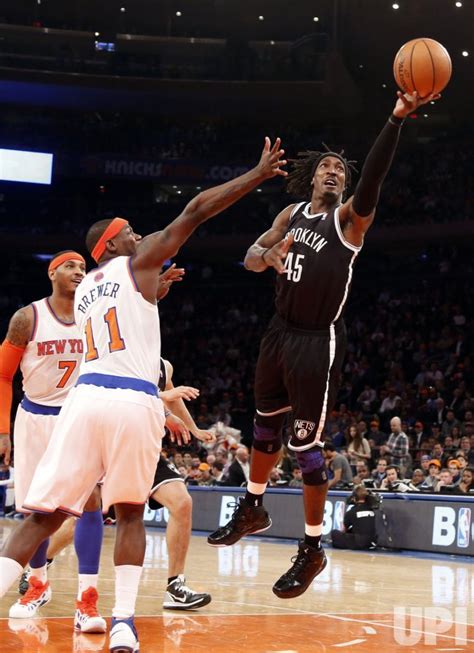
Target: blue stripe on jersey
[39, 409]
[118, 382]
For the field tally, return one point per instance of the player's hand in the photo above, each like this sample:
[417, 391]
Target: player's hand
[270, 163]
[167, 278]
[276, 255]
[180, 392]
[408, 103]
[5, 447]
[204, 436]
[179, 433]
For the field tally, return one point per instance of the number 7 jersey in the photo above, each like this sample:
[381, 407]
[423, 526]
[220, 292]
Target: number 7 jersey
[50, 363]
[120, 329]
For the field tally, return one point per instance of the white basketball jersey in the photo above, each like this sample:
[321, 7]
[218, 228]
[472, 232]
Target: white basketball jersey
[120, 329]
[50, 363]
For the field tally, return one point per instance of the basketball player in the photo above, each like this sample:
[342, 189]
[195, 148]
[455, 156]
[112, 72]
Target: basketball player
[96, 434]
[313, 246]
[170, 491]
[45, 342]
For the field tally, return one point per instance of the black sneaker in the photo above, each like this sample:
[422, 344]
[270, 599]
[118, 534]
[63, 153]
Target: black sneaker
[245, 521]
[180, 597]
[307, 564]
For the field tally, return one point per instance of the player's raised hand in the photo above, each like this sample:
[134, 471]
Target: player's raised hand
[276, 255]
[270, 164]
[167, 278]
[179, 432]
[180, 392]
[408, 103]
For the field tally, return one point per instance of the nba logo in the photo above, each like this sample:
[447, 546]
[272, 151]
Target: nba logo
[338, 520]
[464, 527]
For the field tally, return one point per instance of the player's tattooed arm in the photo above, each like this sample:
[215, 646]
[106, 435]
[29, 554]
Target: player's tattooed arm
[271, 248]
[21, 327]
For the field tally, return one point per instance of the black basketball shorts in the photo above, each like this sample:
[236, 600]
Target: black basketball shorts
[165, 472]
[299, 371]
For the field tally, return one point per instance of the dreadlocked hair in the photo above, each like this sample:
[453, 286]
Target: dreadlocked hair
[298, 182]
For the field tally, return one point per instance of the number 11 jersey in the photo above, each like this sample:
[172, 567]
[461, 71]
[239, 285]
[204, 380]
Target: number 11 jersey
[120, 328]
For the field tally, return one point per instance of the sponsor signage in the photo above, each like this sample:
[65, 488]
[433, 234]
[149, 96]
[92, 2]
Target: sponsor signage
[427, 523]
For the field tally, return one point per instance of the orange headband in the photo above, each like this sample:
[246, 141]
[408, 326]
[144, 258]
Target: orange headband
[62, 258]
[112, 230]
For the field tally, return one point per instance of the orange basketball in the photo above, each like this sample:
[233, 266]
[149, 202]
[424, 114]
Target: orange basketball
[422, 65]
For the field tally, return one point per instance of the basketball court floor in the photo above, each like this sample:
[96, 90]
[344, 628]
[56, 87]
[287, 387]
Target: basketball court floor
[362, 602]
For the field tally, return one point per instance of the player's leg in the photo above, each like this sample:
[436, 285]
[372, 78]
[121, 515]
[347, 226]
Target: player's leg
[272, 403]
[88, 537]
[174, 496]
[130, 456]
[313, 385]
[18, 549]
[62, 538]
[32, 433]
[129, 554]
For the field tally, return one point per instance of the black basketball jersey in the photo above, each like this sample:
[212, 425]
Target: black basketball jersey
[313, 290]
[162, 380]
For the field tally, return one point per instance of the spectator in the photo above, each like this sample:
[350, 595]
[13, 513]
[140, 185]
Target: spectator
[397, 446]
[393, 483]
[380, 472]
[467, 481]
[358, 448]
[445, 480]
[238, 472]
[455, 469]
[297, 480]
[338, 466]
[417, 478]
[431, 481]
[217, 472]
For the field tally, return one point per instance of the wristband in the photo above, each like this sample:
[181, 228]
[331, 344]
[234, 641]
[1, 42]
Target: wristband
[395, 120]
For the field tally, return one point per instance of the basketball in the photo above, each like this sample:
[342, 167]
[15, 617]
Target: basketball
[422, 65]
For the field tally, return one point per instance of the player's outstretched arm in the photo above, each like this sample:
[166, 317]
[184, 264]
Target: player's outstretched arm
[359, 210]
[11, 353]
[158, 247]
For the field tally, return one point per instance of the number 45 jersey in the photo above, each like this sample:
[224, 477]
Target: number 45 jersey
[312, 291]
[120, 329]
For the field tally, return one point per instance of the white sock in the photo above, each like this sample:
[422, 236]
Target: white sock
[313, 531]
[127, 578]
[86, 581]
[9, 571]
[256, 488]
[40, 573]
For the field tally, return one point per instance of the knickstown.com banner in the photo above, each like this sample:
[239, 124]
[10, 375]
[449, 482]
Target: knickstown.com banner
[442, 524]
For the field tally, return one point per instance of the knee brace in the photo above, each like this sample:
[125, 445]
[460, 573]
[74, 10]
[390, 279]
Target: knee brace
[267, 436]
[312, 466]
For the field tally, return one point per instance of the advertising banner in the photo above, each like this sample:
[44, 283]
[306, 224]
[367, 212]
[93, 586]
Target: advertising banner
[422, 523]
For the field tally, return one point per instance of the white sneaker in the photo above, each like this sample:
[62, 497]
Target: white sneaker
[87, 619]
[123, 636]
[38, 594]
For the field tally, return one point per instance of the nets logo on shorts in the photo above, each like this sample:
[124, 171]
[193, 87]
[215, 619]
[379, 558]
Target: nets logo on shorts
[303, 428]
